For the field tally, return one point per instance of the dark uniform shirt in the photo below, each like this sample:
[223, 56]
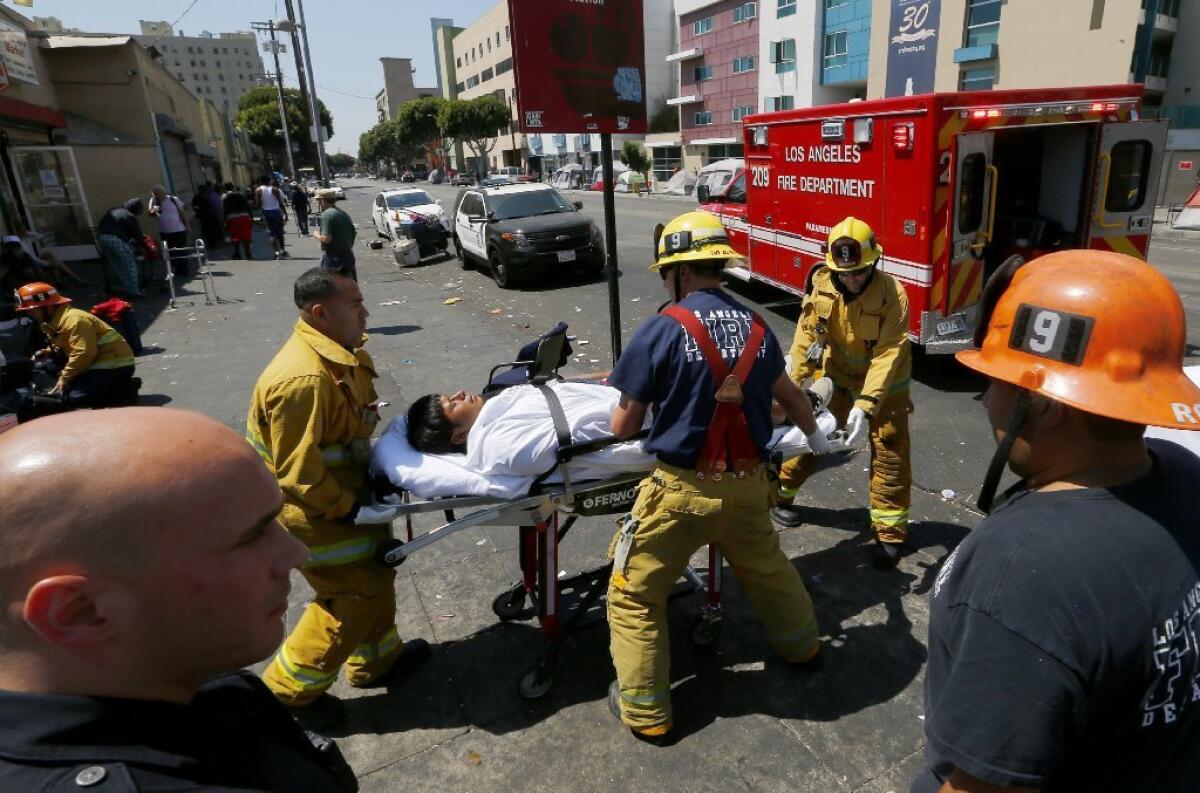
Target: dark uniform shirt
[234, 736]
[1063, 640]
[663, 367]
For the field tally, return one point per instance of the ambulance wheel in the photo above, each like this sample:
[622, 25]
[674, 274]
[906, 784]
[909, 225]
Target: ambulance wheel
[509, 605]
[500, 273]
[535, 683]
[705, 632]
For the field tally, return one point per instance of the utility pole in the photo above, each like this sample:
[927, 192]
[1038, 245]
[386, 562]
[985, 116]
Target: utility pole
[287, 139]
[300, 77]
[322, 165]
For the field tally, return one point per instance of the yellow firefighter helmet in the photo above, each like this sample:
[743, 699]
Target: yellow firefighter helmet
[851, 247]
[693, 237]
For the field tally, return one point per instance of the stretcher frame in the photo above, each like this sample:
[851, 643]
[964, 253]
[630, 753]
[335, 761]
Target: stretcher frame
[538, 517]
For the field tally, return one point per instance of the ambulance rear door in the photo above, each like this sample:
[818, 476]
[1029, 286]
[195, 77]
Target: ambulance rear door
[973, 225]
[1129, 161]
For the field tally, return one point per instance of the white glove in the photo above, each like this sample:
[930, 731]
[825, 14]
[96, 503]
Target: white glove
[856, 426]
[818, 444]
[370, 514]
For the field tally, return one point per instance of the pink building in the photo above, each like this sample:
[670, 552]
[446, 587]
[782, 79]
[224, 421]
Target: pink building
[718, 75]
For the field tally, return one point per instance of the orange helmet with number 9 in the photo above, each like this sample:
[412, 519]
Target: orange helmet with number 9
[39, 295]
[1102, 332]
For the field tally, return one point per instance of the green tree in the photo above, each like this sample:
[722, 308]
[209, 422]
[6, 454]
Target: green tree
[664, 119]
[420, 126]
[633, 155]
[340, 161]
[475, 123]
[258, 115]
[385, 143]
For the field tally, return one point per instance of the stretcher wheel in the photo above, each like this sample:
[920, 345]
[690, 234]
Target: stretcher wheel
[535, 683]
[706, 631]
[509, 605]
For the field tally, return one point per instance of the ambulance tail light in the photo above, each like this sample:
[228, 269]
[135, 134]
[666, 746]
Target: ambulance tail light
[902, 136]
[1097, 107]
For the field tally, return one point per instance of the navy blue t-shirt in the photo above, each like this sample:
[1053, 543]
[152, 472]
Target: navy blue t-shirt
[1063, 640]
[663, 367]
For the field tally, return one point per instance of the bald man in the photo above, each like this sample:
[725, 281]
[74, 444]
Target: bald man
[124, 589]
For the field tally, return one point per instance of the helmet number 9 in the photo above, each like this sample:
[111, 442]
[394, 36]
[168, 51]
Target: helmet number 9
[1045, 329]
[1052, 334]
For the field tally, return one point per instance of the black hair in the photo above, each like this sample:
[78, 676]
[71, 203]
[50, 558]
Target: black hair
[315, 285]
[429, 428]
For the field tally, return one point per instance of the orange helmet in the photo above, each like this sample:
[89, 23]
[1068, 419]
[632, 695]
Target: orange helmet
[1099, 331]
[39, 295]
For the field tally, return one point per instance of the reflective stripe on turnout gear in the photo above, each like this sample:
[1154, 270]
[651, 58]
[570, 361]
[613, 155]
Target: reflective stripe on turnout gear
[369, 653]
[645, 696]
[117, 361]
[305, 678]
[357, 452]
[889, 517]
[355, 549]
[257, 442]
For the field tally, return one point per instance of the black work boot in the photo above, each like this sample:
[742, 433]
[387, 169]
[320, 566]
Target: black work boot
[788, 515]
[415, 653]
[885, 555]
[654, 738]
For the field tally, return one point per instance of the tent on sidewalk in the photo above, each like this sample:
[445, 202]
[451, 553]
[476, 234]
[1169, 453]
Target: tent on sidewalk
[681, 183]
[1189, 218]
[568, 176]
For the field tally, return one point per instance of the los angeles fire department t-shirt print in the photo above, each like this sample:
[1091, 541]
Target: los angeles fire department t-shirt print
[663, 367]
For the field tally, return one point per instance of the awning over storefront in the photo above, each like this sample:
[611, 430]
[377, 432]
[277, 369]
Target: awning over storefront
[29, 113]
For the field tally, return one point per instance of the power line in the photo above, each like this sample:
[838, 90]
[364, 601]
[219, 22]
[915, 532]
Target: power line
[347, 93]
[178, 19]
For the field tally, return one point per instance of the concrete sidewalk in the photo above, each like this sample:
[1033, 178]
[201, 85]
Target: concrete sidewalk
[745, 720]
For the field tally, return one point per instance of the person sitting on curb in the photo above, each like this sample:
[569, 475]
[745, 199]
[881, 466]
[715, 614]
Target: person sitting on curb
[130, 608]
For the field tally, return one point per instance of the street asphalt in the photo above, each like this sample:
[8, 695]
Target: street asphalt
[746, 721]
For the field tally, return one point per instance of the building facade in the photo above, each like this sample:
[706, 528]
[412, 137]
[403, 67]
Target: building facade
[718, 59]
[398, 88]
[444, 32]
[483, 65]
[219, 67]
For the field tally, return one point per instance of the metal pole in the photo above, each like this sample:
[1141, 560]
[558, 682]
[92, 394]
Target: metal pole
[512, 131]
[322, 165]
[295, 34]
[610, 244]
[287, 139]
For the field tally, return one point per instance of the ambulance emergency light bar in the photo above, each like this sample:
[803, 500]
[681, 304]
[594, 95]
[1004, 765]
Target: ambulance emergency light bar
[1042, 110]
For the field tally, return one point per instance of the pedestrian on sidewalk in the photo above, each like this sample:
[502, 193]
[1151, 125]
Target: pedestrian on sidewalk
[134, 598]
[300, 207]
[118, 235]
[1062, 630]
[209, 217]
[311, 418]
[271, 202]
[173, 223]
[238, 223]
[336, 234]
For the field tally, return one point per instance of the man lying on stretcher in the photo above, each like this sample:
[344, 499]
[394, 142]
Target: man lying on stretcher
[512, 432]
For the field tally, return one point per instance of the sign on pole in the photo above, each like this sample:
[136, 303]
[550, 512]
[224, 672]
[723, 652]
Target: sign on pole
[912, 47]
[579, 66]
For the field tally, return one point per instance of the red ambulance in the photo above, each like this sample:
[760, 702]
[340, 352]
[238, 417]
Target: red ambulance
[952, 184]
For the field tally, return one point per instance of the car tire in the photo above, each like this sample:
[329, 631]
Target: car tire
[463, 260]
[500, 271]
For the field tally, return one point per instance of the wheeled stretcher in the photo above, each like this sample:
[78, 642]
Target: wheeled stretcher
[544, 511]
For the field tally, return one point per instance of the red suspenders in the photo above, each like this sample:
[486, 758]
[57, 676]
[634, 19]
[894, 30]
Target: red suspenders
[728, 440]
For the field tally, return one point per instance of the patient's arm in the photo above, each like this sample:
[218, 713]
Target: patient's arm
[628, 416]
[795, 404]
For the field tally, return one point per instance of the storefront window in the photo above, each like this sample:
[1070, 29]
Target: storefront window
[53, 195]
[667, 160]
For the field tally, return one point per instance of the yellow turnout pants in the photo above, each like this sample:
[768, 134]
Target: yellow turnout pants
[350, 622]
[890, 468]
[677, 514]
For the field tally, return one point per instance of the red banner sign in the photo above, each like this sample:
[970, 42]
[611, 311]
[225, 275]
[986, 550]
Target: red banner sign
[580, 65]
[1185, 165]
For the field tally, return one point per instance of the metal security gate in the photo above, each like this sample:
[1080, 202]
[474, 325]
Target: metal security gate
[178, 171]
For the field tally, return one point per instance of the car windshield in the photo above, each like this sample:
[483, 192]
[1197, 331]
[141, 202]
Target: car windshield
[532, 202]
[413, 199]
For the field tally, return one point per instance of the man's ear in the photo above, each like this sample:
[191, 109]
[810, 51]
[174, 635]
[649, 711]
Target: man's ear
[317, 311]
[458, 435]
[62, 610]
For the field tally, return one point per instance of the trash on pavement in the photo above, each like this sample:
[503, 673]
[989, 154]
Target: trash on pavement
[451, 301]
[375, 244]
[496, 311]
[406, 251]
[948, 494]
